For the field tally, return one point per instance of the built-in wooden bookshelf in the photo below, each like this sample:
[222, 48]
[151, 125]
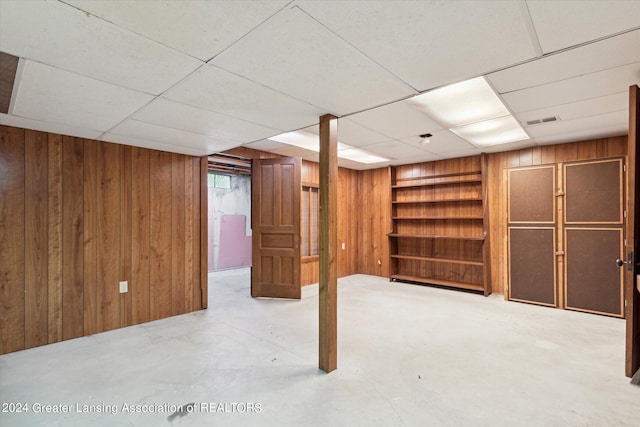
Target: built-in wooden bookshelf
[439, 216]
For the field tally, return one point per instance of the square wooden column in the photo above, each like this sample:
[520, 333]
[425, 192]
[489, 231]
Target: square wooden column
[328, 243]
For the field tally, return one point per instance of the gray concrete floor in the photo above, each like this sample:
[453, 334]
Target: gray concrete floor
[408, 356]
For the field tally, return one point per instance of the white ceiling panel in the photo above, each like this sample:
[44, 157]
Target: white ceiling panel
[214, 89]
[200, 144]
[198, 28]
[352, 133]
[350, 164]
[296, 55]
[574, 110]
[442, 142]
[518, 145]
[180, 116]
[609, 53]
[432, 43]
[397, 120]
[561, 24]
[293, 151]
[153, 145]
[399, 150]
[615, 121]
[22, 122]
[578, 135]
[61, 35]
[593, 85]
[49, 94]
[266, 145]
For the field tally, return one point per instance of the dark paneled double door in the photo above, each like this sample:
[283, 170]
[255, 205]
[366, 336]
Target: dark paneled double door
[565, 233]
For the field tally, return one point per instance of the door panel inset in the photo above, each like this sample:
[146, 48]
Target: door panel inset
[593, 280]
[531, 195]
[593, 192]
[532, 273]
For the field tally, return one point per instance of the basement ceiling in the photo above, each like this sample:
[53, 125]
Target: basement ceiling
[201, 77]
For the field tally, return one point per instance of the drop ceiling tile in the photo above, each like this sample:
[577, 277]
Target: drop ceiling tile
[442, 143]
[22, 122]
[421, 158]
[293, 151]
[518, 145]
[296, 55]
[49, 94]
[350, 164]
[397, 120]
[352, 133]
[201, 28]
[397, 150]
[173, 137]
[574, 110]
[266, 145]
[561, 24]
[214, 89]
[615, 121]
[588, 86]
[431, 43]
[609, 53]
[154, 145]
[180, 116]
[63, 36]
[581, 135]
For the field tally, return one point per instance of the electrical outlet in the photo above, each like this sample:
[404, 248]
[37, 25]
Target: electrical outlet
[379, 262]
[124, 287]
[344, 245]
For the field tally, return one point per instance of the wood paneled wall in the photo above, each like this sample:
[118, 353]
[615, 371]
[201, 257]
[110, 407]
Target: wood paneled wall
[78, 216]
[583, 150]
[373, 218]
[348, 207]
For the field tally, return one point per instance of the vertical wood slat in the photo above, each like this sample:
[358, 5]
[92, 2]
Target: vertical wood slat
[36, 192]
[203, 226]
[140, 237]
[54, 228]
[177, 234]
[90, 190]
[126, 225]
[188, 234]
[12, 243]
[328, 241]
[72, 238]
[160, 244]
[108, 296]
[486, 224]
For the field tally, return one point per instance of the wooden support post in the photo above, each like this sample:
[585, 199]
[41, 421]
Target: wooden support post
[328, 243]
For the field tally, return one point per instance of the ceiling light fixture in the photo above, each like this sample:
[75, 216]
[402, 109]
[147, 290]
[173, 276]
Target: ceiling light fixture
[425, 138]
[471, 103]
[310, 141]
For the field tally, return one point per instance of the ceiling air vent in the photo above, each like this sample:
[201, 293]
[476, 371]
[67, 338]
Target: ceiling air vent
[544, 120]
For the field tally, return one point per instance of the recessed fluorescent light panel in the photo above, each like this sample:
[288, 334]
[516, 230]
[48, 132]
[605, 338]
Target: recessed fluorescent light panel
[311, 142]
[473, 111]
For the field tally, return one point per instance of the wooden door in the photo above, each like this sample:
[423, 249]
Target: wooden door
[275, 217]
[593, 224]
[531, 235]
[632, 284]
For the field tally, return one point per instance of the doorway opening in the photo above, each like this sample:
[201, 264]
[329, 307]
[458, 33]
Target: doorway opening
[229, 216]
